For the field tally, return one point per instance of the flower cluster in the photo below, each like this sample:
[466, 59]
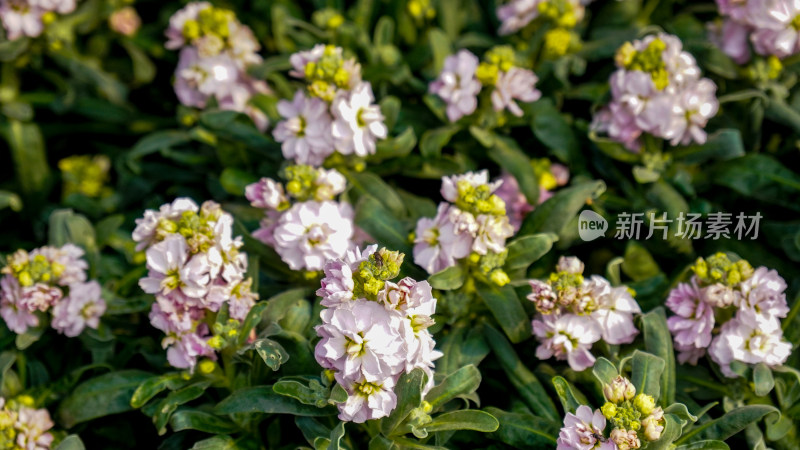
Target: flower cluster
[23, 427]
[560, 15]
[771, 26]
[473, 224]
[463, 77]
[337, 113]
[50, 279]
[584, 431]
[657, 89]
[194, 267]
[574, 313]
[550, 176]
[313, 230]
[749, 301]
[29, 17]
[373, 330]
[87, 175]
[216, 50]
[635, 417]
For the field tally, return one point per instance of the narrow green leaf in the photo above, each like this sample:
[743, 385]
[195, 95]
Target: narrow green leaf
[71, 442]
[658, 341]
[176, 398]
[433, 140]
[466, 419]
[646, 370]
[552, 129]
[763, 380]
[29, 154]
[507, 154]
[409, 396]
[153, 386]
[524, 431]
[379, 222]
[726, 426]
[191, 419]
[604, 370]
[530, 389]
[448, 279]
[526, 250]
[504, 304]
[552, 215]
[101, 396]
[570, 397]
[271, 352]
[368, 183]
[262, 399]
[461, 382]
[723, 145]
[337, 433]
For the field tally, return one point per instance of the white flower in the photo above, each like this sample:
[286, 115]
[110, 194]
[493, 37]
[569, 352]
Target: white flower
[312, 233]
[367, 401]
[170, 268]
[492, 234]
[82, 308]
[146, 229]
[444, 239]
[329, 183]
[750, 338]
[516, 84]
[358, 123]
[21, 19]
[568, 337]
[450, 184]
[615, 310]
[337, 285]
[457, 84]
[305, 132]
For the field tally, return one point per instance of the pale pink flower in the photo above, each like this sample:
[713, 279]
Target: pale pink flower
[450, 184]
[178, 20]
[491, 234]
[764, 293]
[693, 323]
[568, 337]
[82, 308]
[305, 133]
[750, 338]
[357, 121]
[516, 84]
[457, 85]
[581, 431]
[32, 426]
[337, 285]
[309, 234]
[21, 19]
[17, 318]
[367, 401]
[266, 193]
[444, 239]
[615, 310]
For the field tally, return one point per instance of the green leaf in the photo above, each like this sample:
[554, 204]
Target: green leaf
[68, 227]
[143, 68]
[507, 154]
[646, 370]
[155, 142]
[433, 140]
[464, 381]
[723, 145]
[409, 396]
[440, 47]
[554, 214]
[504, 304]
[101, 396]
[570, 397]
[176, 398]
[216, 443]
[782, 113]
[704, 445]
[658, 341]
[763, 380]
[10, 49]
[234, 181]
[448, 279]
[672, 430]
[338, 394]
[368, 183]
[262, 399]
[313, 394]
[552, 129]
[530, 389]
[311, 428]
[726, 426]
[29, 155]
[638, 263]
[153, 386]
[390, 107]
[526, 250]
[252, 320]
[71, 442]
[524, 430]
[379, 223]
[337, 433]
[604, 370]
[271, 352]
[11, 200]
[397, 147]
[467, 419]
[681, 412]
[191, 419]
[279, 305]
[614, 149]
[761, 177]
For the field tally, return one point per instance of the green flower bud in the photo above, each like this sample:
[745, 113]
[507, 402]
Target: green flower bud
[609, 410]
[644, 403]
